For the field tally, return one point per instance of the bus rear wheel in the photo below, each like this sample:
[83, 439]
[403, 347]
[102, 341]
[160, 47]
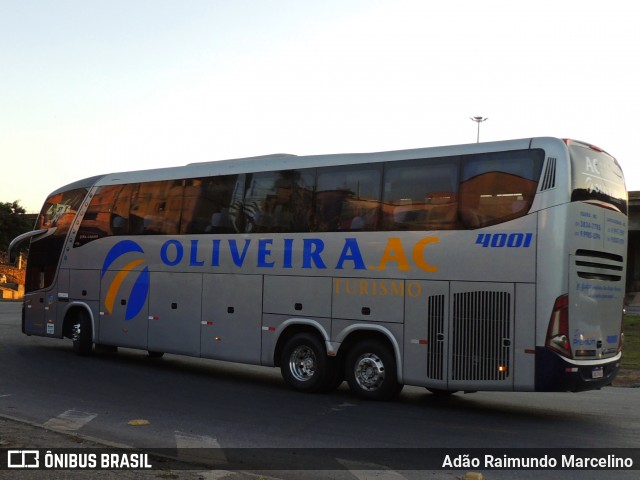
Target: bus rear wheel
[81, 334]
[303, 363]
[371, 371]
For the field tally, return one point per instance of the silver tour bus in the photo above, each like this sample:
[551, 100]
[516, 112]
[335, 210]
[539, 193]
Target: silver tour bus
[491, 266]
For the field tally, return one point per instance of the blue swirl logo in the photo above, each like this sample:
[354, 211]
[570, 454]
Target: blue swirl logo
[133, 255]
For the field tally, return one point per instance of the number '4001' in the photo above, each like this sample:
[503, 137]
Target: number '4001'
[504, 240]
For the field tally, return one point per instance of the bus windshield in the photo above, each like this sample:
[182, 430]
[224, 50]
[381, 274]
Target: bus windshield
[596, 176]
[57, 215]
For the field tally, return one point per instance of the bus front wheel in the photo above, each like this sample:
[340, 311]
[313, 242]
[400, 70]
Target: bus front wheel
[81, 334]
[371, 371]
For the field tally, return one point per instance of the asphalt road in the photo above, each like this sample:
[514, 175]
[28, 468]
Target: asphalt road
[127, 398]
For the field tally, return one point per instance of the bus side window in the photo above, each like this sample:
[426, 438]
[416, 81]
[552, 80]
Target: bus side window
[279, 201]
[348, 198]
[261, 203]
[497, 187]
[421, 195]
[107, 214]
[206, 207]
[155, 208]
[118, 202]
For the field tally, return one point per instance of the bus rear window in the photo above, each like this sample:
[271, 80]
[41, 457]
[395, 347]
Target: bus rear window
[596, 176]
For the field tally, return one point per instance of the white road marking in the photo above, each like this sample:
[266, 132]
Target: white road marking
[70, 421]
[199, 448]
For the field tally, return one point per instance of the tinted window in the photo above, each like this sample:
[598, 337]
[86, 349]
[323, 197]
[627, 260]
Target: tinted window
[278, 201]
[107, 214]
[421, 195]
[58, 212]
[348, 198]
[596, 176]
[150, 208]
[208, 205]
[155, 208]
[497, 187]
[471, 191]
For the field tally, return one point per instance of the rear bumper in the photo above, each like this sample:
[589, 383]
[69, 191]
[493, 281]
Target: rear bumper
[556, 374]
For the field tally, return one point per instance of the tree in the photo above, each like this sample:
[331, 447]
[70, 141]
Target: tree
[13, 222]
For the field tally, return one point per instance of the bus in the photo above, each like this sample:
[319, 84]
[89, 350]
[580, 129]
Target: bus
[490, 266]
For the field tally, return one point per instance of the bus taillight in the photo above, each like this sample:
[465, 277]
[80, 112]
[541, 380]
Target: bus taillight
[558, 331]
[569, 141]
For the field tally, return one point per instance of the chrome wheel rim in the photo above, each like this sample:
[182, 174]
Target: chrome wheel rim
[303, 363]
[75, 332]
[369, 371]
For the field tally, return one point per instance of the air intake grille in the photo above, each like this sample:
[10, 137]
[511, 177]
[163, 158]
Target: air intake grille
[481, 336]
[592, 264]
[549, 176]
[435, 335]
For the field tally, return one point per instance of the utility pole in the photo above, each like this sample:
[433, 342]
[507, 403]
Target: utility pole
[478, 120]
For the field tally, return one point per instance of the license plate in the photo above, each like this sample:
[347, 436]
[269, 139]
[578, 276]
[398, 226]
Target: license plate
[597, 372]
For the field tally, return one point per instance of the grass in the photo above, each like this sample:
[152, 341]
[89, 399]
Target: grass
[631, 348]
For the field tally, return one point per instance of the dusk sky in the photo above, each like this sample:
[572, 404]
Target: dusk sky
[90, 87]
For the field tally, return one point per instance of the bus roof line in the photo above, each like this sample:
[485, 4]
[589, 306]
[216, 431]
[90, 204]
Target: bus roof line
[277, 162]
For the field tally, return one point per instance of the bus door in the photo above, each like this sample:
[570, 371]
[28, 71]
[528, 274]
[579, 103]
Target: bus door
[36, 307]
[40, 304]
[42, 291]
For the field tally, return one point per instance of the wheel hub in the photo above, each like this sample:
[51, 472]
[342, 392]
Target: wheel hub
[302, 363]
[369, 372]
[75, 332]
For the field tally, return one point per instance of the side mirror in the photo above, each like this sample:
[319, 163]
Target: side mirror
[18, 240]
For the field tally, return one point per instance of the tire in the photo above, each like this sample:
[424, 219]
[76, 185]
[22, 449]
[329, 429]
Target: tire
[304, 363]
[81, 333]
[371, 371]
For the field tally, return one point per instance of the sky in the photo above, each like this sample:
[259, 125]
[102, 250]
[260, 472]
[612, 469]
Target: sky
[89, 87]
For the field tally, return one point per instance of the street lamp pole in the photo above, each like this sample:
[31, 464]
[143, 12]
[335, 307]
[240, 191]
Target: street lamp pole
[478, 120]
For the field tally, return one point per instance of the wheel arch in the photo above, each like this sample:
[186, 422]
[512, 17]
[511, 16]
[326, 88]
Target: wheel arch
[70, 314]
[358, 332]
[294, 326]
